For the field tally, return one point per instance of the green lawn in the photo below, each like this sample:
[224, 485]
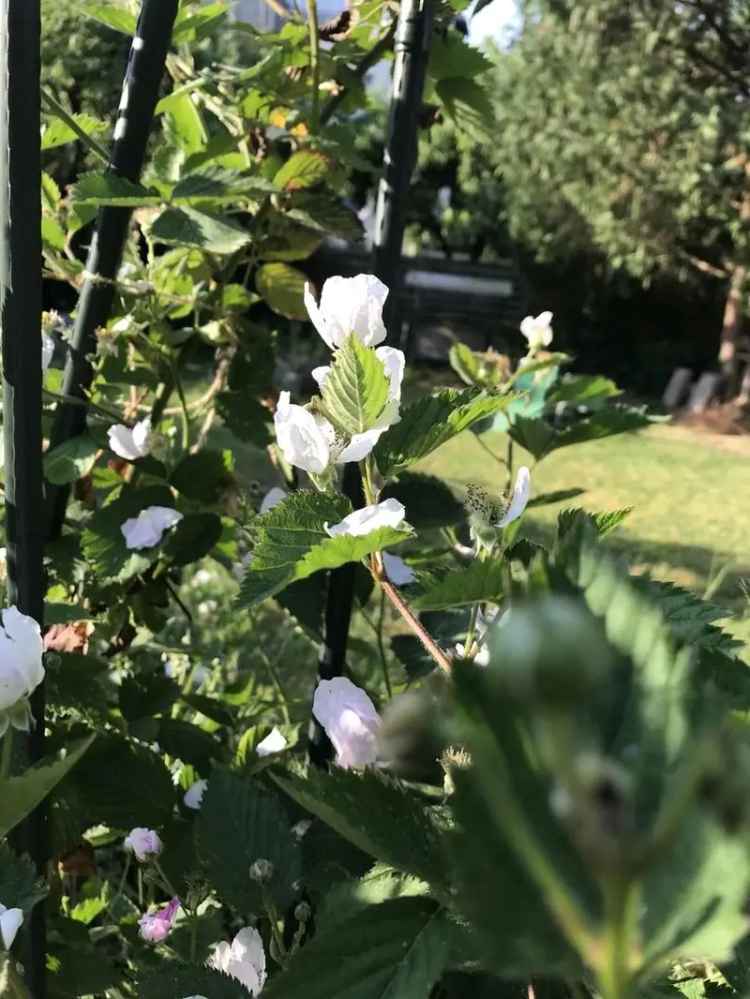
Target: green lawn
[689, 491]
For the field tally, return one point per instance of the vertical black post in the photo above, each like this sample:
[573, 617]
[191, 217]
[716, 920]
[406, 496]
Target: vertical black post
[140, 93]
[411, 44]
[411, 53]
[20, 304]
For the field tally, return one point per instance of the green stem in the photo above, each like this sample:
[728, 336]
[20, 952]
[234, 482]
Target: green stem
[620, 900]
[509, 462]
[521, 836]
[183, 409]
[381, 645]
[365, 468]
[276, 680]
[54, 107]
[7, 753]
[488, 449]
[312, 21]
[471, 630]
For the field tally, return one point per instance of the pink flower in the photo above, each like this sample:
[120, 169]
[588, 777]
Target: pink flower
[156, 926]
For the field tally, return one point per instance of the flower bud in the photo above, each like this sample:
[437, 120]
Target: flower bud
[156, 926]
[261, 871]
[144, 843]
[302, 912]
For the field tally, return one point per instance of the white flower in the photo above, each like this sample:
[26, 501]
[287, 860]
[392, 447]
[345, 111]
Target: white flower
[519, 499]
[193, 797]
[397, 570]
[389, 513]
[272, 498]
[21, 667]
[244, 959]
[131, 444]
[481, 656]
[48, 350]
[274, 742]
[305, 440]
[320, 374]
[144, 843]
[350, 720]
[300, 829]
[146, 530]
[349, 305]
[538, 330]
[10, 924]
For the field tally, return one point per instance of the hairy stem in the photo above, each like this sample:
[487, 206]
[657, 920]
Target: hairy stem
[312, 21]
[429, 643]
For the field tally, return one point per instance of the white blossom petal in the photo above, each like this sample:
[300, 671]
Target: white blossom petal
[303, 438]
[389, 513]
[394, 362]
[274, 742]
[147, 529]
[320, 374]
[272, 498]
[10, 924]
[131, 444]
[21, 665]
[349, 305]
[399, 573]
[350, 720]
[538, 330]
[244, 959]
[519, 499]
[48, 350]
[360, 445]
[193, 797]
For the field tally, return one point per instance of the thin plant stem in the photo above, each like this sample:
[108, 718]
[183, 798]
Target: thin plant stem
[54, 107]
[183, 408]
[509, 462]
[471, 630]
[7, 753]
[312, 21]
[276, 680]
[489, 451]
[378, 632]
[429, 643]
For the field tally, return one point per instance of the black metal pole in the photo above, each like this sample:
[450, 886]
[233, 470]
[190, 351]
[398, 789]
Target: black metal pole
[411, 53]
[140, 93]
[412, 43]
[21, 308]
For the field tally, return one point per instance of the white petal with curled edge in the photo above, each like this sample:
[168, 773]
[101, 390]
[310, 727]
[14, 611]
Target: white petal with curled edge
[360, 445]
[399, 573]
[389, 513]
[274, 742]
[316, 316]
[519, 499]
[130, 444]
[193, 797]
[394, 362]
[48, 350]
[349, 305]
[304, 439]
[147, 529]
[10, 924]
[320, 375]
[272, 498]
[350, 720]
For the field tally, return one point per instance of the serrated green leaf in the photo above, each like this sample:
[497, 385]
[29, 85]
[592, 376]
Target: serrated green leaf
[540, 439]
[303, 169]
[356, 389]
[193, 538]
[374, 812]
[175, 978]
[556, 496]
[96, 796]
[112, 16]
[202, 476]
[19, 884]
[58, 133]
[189, 227]
[186, 124]
[292, 543]
[240, 823]
[20, 795]
[430, 422]
[107, 188]
[479, 581]
[282, 288]
[71, 460]
[604, 523]
[53, 233]
[395, 950]
[583, 389]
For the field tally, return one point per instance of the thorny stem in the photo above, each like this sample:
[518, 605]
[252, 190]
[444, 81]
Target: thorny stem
[312, 20]
[429, 643]
[59, 111]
